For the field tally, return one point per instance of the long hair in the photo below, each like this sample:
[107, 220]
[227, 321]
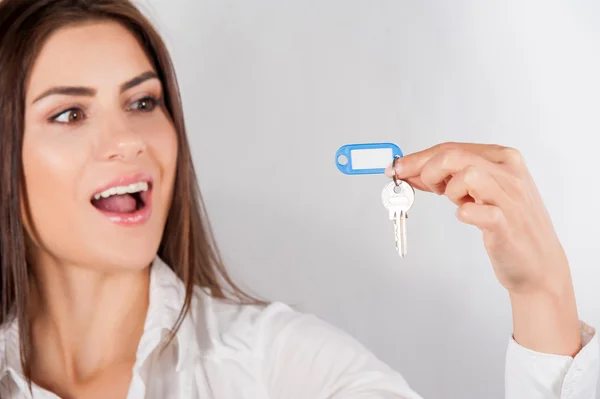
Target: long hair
[187, 245]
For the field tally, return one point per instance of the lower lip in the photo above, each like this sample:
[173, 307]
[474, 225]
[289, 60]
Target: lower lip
[137, 218]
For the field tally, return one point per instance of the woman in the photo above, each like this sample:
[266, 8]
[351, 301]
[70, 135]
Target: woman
[112, 286]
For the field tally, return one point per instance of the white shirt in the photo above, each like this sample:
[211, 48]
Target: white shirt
[230, 351]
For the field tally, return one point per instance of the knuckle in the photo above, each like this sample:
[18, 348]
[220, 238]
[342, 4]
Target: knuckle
[512, 156]
[449, 157]
[471, 174]
[449, 145]
[495, 216]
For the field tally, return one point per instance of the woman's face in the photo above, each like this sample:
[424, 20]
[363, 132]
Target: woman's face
[99, 151]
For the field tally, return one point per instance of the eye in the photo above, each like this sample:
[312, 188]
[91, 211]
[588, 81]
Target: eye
[146, 104]
[69, 116]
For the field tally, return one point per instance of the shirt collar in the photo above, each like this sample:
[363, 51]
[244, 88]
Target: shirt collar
[166, 299]
[10, 349]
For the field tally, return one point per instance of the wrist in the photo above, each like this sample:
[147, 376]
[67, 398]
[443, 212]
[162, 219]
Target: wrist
[546, 320]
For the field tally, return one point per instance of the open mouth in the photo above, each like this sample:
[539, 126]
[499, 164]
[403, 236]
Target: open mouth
[123, 200]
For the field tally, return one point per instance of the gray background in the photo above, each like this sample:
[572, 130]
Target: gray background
[273, 87]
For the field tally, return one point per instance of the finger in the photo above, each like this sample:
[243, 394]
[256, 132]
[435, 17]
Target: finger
[483, 216]
[474, 184]
[412, 164]
[417, 183]
[437, 171]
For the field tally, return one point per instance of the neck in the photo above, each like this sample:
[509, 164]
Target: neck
[85, 321]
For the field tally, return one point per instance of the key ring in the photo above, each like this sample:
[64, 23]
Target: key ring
[396, 181]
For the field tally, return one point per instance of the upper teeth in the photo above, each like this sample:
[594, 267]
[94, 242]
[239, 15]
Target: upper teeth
[130, 189]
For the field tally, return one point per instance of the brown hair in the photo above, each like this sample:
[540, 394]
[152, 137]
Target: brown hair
[187, 245]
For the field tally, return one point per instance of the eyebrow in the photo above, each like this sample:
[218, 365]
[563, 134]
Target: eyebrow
[89, 92]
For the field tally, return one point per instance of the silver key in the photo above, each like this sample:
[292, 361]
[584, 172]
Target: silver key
[398, 199]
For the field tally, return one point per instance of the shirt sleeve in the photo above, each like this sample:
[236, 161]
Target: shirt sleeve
[304, 357]
[307, 358]
[534, 375]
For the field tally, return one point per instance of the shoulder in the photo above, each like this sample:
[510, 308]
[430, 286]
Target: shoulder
[269, 329]
[235, 325]
[299, 355]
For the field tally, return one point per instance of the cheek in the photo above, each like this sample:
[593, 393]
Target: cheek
[51, 167]
[162, 143]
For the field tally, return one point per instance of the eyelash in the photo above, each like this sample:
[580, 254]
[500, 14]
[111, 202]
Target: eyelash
[154, 103]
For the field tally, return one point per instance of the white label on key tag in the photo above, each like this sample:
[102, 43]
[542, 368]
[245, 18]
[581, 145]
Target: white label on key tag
[371, 158]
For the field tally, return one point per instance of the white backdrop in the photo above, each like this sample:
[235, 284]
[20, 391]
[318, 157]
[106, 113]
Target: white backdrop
[273, 87]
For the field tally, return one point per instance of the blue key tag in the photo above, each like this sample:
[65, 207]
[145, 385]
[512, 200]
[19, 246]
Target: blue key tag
[366, 159]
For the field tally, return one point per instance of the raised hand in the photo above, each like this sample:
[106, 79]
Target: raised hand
[494, 191]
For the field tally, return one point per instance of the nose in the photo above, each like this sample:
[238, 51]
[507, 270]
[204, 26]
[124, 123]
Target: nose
[123, 144]
[128, 148]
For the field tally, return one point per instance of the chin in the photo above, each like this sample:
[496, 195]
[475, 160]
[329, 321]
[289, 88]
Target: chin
[127, 262]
